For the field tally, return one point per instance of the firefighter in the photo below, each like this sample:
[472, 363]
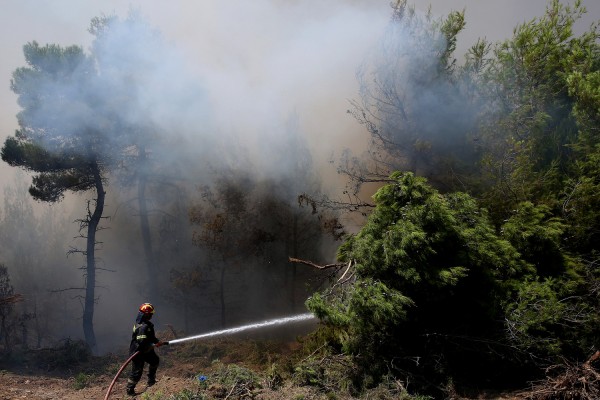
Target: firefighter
[143, 339]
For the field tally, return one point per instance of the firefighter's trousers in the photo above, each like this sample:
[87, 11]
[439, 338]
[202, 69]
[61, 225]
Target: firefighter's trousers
[137, 367]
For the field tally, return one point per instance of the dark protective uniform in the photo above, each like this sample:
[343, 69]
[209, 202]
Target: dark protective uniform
[142, 339]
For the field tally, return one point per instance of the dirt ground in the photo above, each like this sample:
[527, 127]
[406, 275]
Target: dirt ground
[67, 374]
[40, 378]
[45, 375]
[15, 386]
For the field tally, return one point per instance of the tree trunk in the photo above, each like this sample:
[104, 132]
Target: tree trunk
[92, 228]
[186, 320]
[4, 334]
[146, 238]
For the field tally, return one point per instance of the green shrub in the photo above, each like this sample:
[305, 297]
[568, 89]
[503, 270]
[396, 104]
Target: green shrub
[330, 373]
[233, 381]
[82, 380]
[274, 377]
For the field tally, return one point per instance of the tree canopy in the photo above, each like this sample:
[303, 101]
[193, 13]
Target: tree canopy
[75, 129]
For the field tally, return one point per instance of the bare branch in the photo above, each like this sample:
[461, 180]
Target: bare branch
[66, 289]
[12, 299]
[310, 263]
[346, 271]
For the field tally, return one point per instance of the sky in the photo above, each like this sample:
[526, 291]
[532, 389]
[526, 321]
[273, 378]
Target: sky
[260, 61]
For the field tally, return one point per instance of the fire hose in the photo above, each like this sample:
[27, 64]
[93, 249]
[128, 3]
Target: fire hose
[125, 364]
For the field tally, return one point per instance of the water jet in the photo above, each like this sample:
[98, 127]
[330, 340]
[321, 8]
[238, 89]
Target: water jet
[222, 332]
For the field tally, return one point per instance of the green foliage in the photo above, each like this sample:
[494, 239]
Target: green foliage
[308, 375]
[392, 388]
[450, 28]
[434, 281]
[233, 380]
[329, 373]
[542, 120]
[582, 207]
[541, 141]
[536, 235]
[580, 201]
[533, 319]
[233, 374]
[274, 378]
[421, 260]
[185, 394]
[548, 311]
[82, 380]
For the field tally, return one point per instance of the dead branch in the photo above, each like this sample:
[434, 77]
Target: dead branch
[593, 358]
[346, 271]
[310, 263]
[12, 299]
[577, 381]
[348, 279]
[66, 289]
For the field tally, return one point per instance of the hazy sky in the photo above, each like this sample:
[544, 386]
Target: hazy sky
[237, 34]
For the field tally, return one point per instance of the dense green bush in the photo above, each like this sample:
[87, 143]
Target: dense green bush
[437, 290]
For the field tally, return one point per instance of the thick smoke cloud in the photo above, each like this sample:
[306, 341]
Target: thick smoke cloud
[248, 69]
[223, 102]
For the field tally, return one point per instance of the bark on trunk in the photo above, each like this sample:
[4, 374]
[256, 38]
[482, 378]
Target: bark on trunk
[92, 228]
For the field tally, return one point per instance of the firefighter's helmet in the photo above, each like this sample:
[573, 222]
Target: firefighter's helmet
[147, 308]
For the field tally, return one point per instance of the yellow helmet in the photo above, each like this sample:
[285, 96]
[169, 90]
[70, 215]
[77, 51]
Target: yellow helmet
[147, 308]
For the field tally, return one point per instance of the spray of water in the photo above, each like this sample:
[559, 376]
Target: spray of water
[264, 324]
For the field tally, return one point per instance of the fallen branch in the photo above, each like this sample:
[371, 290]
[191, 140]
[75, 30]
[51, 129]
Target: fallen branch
[593, 358]
[577, 381]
